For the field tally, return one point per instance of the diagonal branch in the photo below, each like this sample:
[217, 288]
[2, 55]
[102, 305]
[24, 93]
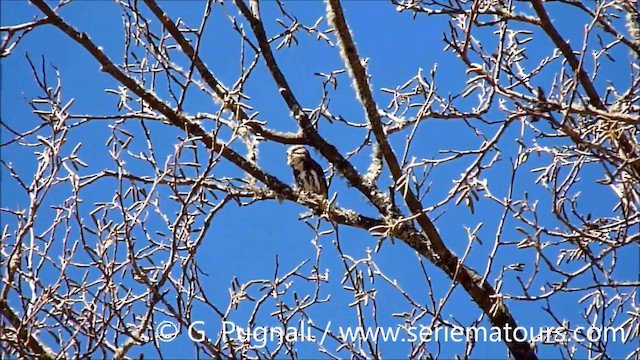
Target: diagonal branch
[566, 50]
[218, 88]
[481, 291]
[22, 334]
[627, 147]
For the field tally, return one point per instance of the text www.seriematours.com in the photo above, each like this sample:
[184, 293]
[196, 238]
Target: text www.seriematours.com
[484, 334]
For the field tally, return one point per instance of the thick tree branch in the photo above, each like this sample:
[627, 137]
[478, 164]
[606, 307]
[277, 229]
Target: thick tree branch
[482, 292]
[23, 335]
[567, 51]
[594, 99]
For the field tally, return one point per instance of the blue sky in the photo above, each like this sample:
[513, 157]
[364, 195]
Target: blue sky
[244, 242]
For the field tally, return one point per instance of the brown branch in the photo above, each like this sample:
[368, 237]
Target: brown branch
[595, 100]
[186, 47]
[482, 293]
[602, 22]
[23, 335]
[566, 50]
[220, 90]
[279, 137]
[22, 29]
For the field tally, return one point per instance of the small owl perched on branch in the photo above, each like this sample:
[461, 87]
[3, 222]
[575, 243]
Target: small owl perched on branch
[306, 171]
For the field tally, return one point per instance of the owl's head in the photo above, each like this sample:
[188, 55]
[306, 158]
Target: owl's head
[296, 155]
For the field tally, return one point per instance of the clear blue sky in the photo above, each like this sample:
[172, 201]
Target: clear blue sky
[244, 242]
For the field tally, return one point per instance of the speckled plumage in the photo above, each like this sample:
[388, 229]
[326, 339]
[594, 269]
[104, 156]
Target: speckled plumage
[306, 171]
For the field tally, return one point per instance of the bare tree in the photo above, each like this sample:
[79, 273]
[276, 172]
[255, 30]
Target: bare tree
[550, 183]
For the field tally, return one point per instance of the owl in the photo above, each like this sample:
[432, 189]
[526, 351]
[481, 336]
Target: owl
[306, 171]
